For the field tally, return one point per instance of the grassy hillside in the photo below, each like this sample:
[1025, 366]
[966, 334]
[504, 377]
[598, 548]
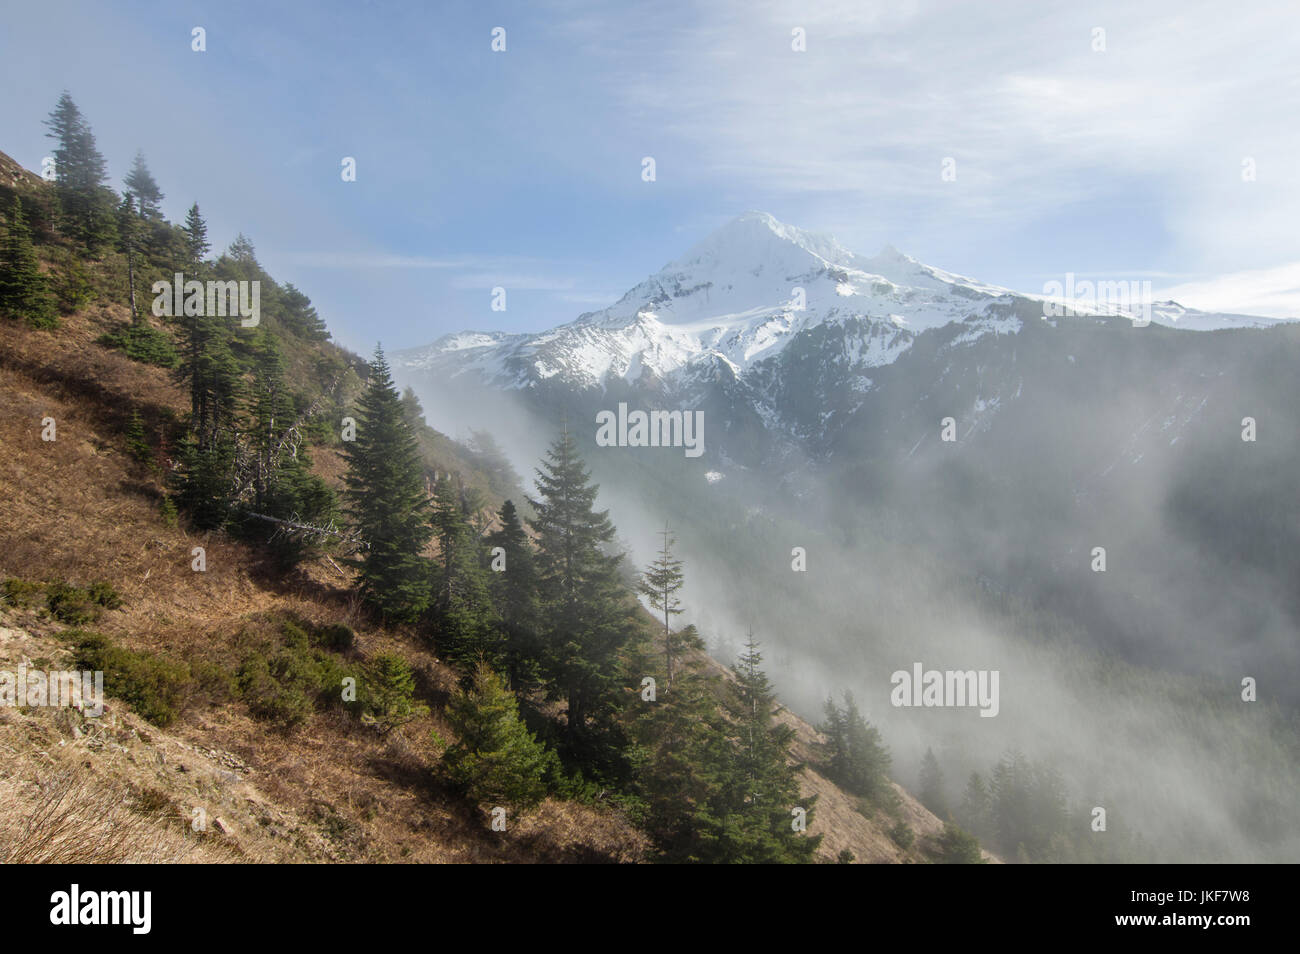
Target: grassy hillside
[194, 727]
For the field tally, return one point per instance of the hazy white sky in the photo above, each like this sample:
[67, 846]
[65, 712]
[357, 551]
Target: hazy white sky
[523, 168]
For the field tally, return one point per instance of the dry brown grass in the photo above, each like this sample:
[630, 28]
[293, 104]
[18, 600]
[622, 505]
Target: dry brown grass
[75, 820]
[80, 510]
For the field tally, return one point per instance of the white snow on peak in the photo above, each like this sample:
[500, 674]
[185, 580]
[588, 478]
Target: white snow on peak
[756, 239]
[738, 297]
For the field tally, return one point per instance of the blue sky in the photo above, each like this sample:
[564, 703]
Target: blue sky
[523, 169]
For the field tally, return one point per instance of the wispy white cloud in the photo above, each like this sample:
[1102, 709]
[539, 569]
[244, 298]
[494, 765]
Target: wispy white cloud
[591, 298]
[333, 260]
[471, 271]
[1040, 124]
[1270, 292]
[511, 279]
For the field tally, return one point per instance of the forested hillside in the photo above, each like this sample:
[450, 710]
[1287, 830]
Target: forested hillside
[328, 631]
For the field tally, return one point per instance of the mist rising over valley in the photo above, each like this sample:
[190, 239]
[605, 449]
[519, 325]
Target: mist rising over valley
[975, 553]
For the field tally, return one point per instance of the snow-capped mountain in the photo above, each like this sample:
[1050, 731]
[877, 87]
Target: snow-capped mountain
[908, 416]
[774, 320]
[736, 299]
[739, 297]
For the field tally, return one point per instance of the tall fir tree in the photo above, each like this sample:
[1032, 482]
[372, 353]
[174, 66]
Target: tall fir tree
[205, 480]
[462, 607]
[128, 239]
[932, 793]
[210, 458]
[270, 412]
[209, 454]
[687, 749]
[242, 253]
[763, 785]
[586, 615]
[87, 205]
[660, 584]
[385, 491]
[212, 373]
[276, 461]
[300, 316]
[858, 760]
[514, 589]
[140, 183]
[976, 810]
[196, 236]
[24, 291]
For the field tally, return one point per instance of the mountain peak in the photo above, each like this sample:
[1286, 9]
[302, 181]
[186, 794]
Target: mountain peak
[756, 237]
[891, 254]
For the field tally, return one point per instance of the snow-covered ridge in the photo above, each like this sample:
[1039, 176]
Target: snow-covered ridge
[740, 297]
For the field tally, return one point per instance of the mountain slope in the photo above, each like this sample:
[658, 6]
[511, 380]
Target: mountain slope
[1098, 508]
[81, 509]
[726, 313]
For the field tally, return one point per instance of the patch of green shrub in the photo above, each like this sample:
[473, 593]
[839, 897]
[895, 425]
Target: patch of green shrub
[903, 835]
[142, 342]
[71, 604]
[295, 637]
[336, 637]
[16, 592]
[271, 691]
[958, 847]
[154, 687]
[287, 685]
[76, 605]
[105, 595]
[388, 692]
[213, 682]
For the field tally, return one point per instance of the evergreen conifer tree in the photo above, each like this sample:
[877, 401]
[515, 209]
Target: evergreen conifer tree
[660, 584]
[136, 444]
[300, 316]
[385, 492]
[958, 847]
[388, 693]
[80, 173]
[271, 412]
[976, 809]
[242, 253]
[687, 749]
[514, 590]
[24, 291]
[586, 616]
[858, 760]
[495, 759]
[140, 183]
[209, 455]
[763, 787]
[462, 606]
[932, 788]
[196, 236]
